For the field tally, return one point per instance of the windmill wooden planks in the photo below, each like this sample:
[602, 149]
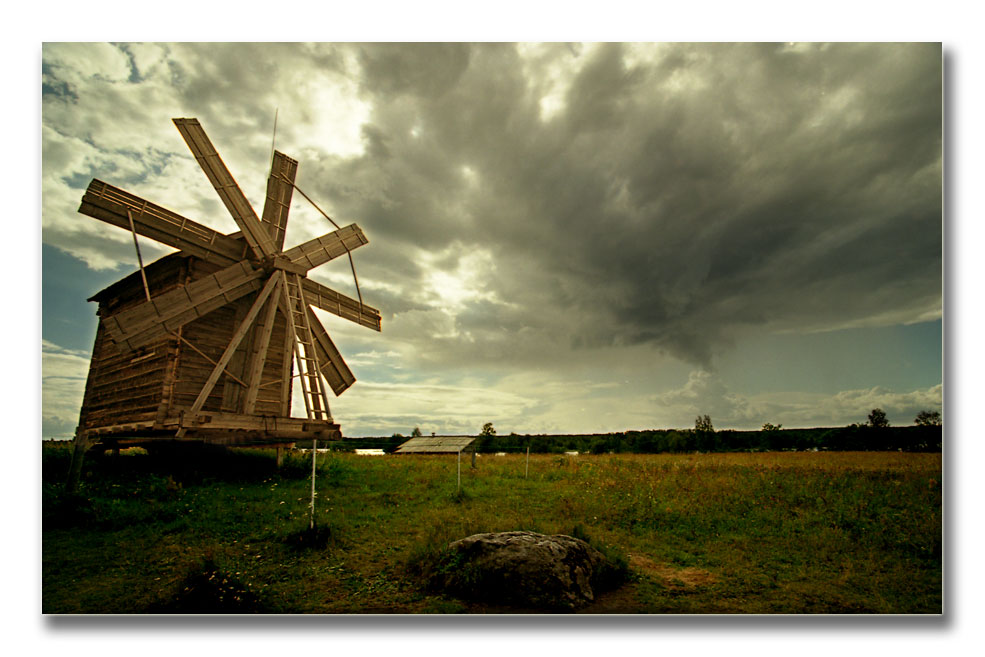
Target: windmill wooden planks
[338, 304]
[110, 204]
[327, 247]
[280, 189]
[169, 311]
[330, 361]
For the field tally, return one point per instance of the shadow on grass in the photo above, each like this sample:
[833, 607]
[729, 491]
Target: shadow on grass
[310, 538]
[207, 589]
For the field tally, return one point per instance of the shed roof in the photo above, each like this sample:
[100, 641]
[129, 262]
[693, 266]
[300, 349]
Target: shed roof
[435, 445]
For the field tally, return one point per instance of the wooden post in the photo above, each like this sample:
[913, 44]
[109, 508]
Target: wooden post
[79, 447]
[280, 456]
[526, 470]
[140, 260]
[459, 470]
[272, 283]
[473, 457]
[314, 455]
[258, 355]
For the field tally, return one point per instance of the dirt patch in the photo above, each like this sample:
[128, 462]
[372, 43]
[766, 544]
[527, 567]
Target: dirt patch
[622, 600]
[679, 578]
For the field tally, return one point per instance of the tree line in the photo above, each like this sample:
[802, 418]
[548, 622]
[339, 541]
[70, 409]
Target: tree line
[655, 441]
[925, 435]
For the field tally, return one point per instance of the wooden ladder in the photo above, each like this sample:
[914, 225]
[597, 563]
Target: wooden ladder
[315, 399]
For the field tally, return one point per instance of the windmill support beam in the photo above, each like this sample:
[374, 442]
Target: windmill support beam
[214, 427]
[279, 427]
[260, 345]
[80, 445]
[233, 344]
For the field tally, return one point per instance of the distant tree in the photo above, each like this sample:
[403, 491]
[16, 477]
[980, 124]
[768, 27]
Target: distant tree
[702, 424]
[772, 427]
[397, 435]
[416, 432]
[487, 430]
[877, 418]
[705, 439]
[928, 419]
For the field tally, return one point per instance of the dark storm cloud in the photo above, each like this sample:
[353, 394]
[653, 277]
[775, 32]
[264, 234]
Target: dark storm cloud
[544, 218]
[424, 70]
[609, 199]
[674, 201]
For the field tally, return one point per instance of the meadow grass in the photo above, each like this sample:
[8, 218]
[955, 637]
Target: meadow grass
[768, 533]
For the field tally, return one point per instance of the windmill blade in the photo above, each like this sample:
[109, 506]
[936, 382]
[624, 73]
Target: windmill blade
[152, 320]
[338, 304]
[280, 189]
[330, 362]
[224, 183]
[330, 245]
[110, 204]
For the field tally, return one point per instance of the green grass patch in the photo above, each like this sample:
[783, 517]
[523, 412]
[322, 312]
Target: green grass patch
[717, 533]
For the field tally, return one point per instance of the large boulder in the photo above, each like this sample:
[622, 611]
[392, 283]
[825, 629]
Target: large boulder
[523, 569]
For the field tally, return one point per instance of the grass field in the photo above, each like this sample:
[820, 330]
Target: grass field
[764, 533]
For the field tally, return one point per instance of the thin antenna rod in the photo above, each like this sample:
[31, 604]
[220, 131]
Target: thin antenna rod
[273, 140]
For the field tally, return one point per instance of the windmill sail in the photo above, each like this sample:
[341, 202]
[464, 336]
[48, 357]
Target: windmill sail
[280, 189]
[110, 204]
[224, 183]
[167, 312]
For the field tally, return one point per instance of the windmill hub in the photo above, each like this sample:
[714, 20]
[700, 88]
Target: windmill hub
[274, 263]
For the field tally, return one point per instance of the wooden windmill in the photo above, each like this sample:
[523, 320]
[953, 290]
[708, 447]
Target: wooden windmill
[204, 343]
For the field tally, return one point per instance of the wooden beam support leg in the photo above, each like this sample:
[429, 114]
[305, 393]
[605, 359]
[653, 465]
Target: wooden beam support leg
[79, 447]
[258, 357]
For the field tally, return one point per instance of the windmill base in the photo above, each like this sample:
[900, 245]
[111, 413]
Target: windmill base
[227, 429]
[215, 428]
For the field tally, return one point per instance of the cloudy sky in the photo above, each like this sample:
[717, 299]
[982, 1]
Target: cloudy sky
[563, 237]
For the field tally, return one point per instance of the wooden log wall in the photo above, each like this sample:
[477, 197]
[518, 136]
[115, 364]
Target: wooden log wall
[164, 378]
[128, 387]
[211, 334]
